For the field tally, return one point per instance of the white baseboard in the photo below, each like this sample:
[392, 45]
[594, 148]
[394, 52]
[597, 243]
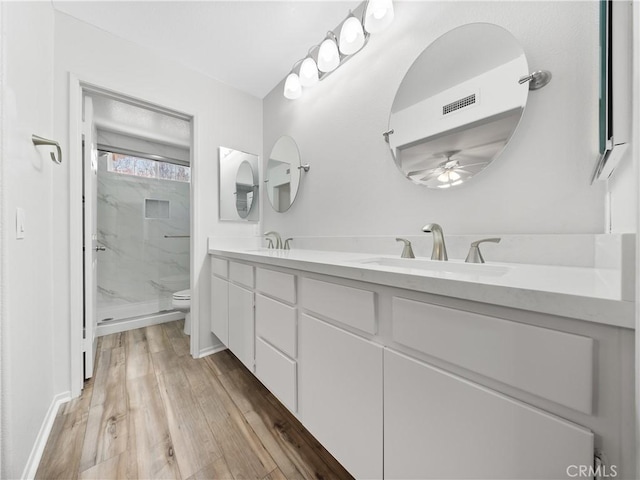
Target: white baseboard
[35, 456]
[211, 350]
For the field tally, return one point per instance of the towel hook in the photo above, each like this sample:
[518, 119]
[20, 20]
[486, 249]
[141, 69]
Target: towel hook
[37, 141]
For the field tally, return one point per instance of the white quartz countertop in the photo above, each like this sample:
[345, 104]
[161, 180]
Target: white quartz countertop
[591, 294]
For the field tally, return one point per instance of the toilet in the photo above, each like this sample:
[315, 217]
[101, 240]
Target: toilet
[182, 301]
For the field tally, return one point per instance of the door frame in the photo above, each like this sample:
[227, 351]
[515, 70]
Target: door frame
[77, 86]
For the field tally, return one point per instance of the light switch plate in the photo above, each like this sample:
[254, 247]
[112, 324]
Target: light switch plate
[20, 218]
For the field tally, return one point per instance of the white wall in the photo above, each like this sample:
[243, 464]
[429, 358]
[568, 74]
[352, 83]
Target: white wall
[223, 116]
[622, 186]
[28, 273]
[540, 184]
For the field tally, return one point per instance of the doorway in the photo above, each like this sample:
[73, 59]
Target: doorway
[135, 162]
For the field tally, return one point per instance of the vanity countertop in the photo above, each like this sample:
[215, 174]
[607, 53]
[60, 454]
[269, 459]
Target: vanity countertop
[591, 294]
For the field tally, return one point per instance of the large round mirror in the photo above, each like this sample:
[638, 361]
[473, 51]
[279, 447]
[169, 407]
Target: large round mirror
[245, 189]
[282, 176]
[458, 105]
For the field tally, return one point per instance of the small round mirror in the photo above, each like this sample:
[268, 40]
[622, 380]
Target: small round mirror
[458, 105]
[245, 189]
[282, 176]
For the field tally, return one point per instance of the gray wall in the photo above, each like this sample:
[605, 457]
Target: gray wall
[540, 183]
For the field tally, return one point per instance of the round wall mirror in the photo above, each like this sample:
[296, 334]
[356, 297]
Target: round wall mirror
[245, 189]
[458, 105]
[282, 176]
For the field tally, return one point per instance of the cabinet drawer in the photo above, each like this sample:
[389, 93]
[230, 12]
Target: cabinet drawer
[276, 323]
[241, 273]
[219, 267]
[351, 306]
[278, 373]
[534, 359]
[276, 284]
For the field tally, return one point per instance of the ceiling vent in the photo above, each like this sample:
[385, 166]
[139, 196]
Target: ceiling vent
[458, 104]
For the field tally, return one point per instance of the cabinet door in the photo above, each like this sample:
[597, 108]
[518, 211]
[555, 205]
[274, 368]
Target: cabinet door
[241, 329]
[438, 425]
[220, 309]
[340, 395]
[278, 373]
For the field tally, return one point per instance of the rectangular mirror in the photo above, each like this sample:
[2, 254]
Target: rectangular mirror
[615, 114]
[238, 184]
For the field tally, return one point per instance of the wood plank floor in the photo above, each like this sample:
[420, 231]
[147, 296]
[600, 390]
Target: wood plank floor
[153, 412]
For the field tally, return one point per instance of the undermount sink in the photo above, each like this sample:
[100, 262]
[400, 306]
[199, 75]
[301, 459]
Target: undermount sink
[450, 267]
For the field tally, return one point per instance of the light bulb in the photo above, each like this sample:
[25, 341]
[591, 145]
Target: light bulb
[378, 16]
[328, 56]
[351, 36]
[308, 72]
[292, 87]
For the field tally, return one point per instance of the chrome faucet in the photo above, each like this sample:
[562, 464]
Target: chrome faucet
[277, 238]
[439, 249]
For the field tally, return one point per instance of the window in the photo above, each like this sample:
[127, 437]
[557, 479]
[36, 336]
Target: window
[144, 167]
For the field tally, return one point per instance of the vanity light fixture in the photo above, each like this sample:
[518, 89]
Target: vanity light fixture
[333, 51]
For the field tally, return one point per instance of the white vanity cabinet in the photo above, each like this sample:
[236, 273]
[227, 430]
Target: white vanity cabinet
[232, 308]
[439, 425]
[341, 395]
[403, 384]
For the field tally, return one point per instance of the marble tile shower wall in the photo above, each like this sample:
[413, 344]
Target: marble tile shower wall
[140, 269]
